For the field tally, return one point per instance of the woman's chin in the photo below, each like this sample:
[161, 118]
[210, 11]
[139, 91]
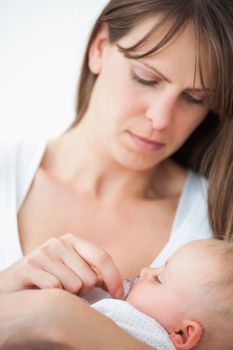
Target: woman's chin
[136, 162]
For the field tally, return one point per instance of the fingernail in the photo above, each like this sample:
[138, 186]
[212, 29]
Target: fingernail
[119, 293]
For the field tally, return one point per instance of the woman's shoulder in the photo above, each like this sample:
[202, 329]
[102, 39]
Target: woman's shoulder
[192, 206]
[9, 153]
[169, 179]
[186, 181]
[7, 150]
[18, 163]
[19, 152]
[191, 220]
[195, 188]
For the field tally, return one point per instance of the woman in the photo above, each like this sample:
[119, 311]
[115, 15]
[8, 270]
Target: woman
[156, 75]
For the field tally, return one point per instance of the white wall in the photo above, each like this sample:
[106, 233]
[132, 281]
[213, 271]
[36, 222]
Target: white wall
[41, 46]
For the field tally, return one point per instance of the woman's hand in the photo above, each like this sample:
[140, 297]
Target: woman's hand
[67, 262]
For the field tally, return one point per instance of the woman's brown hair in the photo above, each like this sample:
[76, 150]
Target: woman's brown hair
[209, 150]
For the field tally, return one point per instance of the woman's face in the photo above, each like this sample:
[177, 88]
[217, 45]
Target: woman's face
[144, 109]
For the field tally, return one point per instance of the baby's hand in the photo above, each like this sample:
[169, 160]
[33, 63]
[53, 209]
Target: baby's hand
[68, 262]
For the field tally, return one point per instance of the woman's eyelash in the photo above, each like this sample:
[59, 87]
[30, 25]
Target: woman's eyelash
[189, 98]
[193, 100]
[157, 279]
[144, 82]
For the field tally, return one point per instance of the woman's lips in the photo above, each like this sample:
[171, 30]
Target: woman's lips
[145, 144]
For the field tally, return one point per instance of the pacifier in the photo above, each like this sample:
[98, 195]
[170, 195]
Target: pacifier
[128, 285]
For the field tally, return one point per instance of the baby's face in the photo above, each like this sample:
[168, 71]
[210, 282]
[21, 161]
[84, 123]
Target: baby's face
[170, 294]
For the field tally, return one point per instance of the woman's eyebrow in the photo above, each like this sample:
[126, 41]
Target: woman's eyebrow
[156, 71]
[198, 90]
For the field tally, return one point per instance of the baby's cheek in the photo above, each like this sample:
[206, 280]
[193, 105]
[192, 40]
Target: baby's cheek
[139, 297]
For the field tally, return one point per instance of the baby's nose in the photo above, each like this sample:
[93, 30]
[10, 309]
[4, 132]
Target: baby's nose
[147, 272]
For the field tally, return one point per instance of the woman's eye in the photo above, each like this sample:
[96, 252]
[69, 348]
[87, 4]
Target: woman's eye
[157, 279]
[144, 82]
[193, 100]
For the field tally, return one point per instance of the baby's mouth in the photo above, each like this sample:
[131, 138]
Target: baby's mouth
[128, 285]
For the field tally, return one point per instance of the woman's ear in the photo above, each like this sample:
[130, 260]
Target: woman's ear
[187, 337]
[95, 54]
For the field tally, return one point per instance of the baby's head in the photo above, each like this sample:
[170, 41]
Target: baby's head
[192, 295]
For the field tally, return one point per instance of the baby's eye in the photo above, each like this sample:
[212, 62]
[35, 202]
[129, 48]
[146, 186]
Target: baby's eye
[144, 82]
[157, 279]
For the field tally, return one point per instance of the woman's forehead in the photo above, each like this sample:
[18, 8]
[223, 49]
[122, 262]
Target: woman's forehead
[150, 25]
[180, 50]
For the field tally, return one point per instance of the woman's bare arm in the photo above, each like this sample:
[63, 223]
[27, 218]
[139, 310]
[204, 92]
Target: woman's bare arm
[28, 323]
[55, 319]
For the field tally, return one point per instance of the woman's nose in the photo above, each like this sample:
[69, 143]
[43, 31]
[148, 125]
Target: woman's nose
[160, 112]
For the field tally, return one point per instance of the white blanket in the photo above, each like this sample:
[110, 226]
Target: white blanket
[135, 322]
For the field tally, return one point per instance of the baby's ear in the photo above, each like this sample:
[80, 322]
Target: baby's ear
[188, 336]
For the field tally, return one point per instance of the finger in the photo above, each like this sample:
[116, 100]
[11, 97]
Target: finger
[41, 279]
[66, 277]
[44, 260]
[69, 280]
[81, 269]
[99, 260]
[74, 273]
[100, 284]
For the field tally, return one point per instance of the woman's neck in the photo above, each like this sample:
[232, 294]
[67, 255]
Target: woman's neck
[73, 159]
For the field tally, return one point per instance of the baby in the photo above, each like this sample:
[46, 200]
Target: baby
[186, 304]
